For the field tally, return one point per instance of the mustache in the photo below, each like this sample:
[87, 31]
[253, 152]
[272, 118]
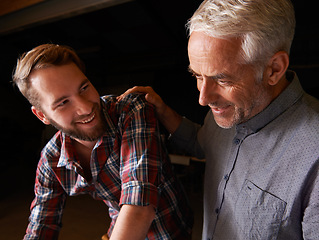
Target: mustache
[95, 111]
[220, 105]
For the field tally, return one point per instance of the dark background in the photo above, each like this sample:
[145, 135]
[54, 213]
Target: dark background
[142, 42]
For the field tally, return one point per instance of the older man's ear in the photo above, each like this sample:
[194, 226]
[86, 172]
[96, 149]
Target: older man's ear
[277, 67]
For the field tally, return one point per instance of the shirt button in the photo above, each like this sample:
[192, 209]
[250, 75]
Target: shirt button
[236, 141]
[226, 177]
[217, 210]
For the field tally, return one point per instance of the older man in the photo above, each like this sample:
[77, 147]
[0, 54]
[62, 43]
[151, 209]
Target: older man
[260, 137]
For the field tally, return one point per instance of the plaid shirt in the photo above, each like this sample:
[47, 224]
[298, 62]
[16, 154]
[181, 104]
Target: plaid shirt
[128, 165]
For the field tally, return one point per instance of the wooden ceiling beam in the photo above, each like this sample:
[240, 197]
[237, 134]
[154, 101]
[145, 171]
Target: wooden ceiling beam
[49, 11]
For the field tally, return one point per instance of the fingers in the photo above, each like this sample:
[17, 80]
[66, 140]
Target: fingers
[150, 95]
[136, 89]
[105, 237]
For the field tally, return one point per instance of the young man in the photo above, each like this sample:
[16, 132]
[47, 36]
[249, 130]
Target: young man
[108, 149]
[260, 137]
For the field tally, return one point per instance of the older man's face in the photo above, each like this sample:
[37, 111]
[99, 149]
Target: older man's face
[229, 88]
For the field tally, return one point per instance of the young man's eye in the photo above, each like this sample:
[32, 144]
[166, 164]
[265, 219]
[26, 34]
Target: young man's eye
[84, 87]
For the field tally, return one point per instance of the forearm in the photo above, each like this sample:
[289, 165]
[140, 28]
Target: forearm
[47, 207]
[133, 222]
[45, 219]
[169, 118]
[37, 231]
[185, 138]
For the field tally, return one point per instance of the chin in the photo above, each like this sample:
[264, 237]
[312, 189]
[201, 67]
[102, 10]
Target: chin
[225, 126]
[225, 123]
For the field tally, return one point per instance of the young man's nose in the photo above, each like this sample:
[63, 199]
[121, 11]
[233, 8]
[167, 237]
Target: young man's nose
[83, 106]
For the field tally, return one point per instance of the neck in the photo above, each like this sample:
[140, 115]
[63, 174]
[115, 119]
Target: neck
[87, 144]
[280, 87]
[83, 152]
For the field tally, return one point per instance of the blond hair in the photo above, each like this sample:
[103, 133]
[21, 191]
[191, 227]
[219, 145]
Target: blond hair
[43, 56]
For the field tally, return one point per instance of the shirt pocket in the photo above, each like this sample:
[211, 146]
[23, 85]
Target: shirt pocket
[258, 213]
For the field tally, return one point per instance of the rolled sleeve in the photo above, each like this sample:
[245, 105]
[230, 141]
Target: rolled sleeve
[141, 154]
[140, 194]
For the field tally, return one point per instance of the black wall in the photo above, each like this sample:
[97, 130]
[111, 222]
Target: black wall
[136, 43]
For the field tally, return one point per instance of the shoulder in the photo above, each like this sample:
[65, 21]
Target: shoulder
[129, 104]
[311, 103]
[308, 110]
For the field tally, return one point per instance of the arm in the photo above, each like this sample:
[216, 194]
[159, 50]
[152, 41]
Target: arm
[133, 222]
[47, 206]
[140, 168]
[310, 221]
[184, 132]
[186, 138]
[168, 117]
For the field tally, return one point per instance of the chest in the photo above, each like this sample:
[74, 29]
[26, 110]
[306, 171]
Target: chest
[83, 155]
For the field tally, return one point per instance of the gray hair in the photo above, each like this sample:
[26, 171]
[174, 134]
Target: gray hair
[265, 26]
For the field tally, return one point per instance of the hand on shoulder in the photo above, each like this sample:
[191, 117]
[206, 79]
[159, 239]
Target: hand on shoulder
[150, 95]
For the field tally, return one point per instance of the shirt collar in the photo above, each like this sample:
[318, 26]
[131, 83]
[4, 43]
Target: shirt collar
[67, 152]
[286, 99]
[67, 157]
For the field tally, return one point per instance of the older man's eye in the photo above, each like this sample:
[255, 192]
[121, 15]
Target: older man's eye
[224, 83]
[198, 77]
[63, 103]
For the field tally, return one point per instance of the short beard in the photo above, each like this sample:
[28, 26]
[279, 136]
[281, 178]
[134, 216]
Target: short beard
[75, 133]
[243, 115]
[237, 119]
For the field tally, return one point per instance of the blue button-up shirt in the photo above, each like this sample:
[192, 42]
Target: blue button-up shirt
[261, 178]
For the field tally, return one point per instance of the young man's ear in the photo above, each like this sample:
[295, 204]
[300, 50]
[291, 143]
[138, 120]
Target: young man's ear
[40, 115]
[277, 67]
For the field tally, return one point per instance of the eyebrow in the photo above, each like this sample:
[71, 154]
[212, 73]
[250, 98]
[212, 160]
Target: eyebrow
[214, 77]
[57, 101]
[191, 70]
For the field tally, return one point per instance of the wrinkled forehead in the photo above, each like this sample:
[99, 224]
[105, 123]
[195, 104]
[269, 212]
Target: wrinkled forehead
[213, 55]
[201, 42]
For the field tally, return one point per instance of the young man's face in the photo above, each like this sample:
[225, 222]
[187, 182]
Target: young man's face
[68, 101]
[230, 89]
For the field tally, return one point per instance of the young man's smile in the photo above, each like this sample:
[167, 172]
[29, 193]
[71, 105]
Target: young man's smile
[69, 101]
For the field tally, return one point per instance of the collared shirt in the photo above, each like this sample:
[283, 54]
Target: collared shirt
[261, 177]
[128, 166]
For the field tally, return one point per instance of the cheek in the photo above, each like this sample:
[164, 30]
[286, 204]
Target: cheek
[199, 85]
[238, 95]
[64, 118]
[95, 95]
